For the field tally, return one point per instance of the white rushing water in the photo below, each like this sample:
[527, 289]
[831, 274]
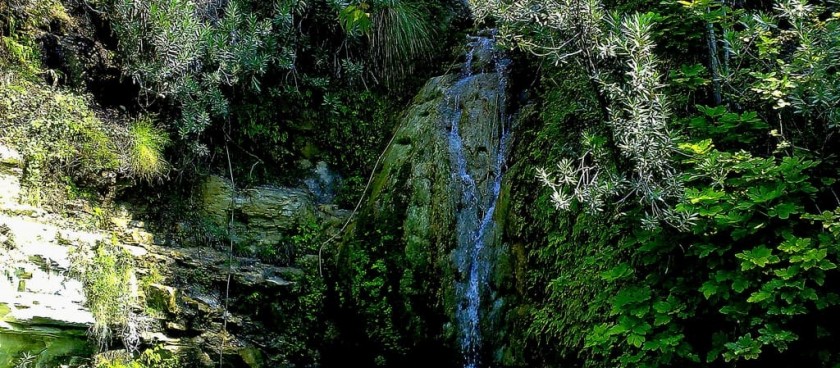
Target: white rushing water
[478, 201]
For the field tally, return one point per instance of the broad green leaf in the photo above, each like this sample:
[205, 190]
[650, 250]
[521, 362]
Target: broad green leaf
[759, 296]
[662, 306]
[618, 272]
[759, 256]
[630, 296]
[740, 284]
[635, 340]
[784, 210]
[708, 289]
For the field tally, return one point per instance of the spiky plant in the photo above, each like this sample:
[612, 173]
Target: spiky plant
[637, 116]
[400, 36]
[146, 160]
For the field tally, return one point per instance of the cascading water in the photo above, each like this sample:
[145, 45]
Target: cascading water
[479, 187]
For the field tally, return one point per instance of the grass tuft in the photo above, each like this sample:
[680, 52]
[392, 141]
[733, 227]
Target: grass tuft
[146, 160]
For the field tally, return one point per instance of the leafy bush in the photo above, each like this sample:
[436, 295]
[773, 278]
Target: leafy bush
[189, 52]
[753, 267]
[58, 135]
[750, 279]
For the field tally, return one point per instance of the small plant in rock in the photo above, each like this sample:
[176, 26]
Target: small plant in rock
[7, 238]
[146, 159]
[26, 360]
[107, 274]
[157, 357]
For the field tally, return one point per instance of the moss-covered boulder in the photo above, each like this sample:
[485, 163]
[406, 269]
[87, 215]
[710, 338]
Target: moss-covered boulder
[398, 269]
[263, 216]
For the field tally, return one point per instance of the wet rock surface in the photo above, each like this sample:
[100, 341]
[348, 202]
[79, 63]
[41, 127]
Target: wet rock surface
[41, 305]
[204, 303]
[262, 215]
[440, 174]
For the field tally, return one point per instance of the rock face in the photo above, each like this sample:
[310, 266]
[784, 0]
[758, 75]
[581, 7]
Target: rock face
[270, 317]
[41, 306]
[405, 246]
[263, 215]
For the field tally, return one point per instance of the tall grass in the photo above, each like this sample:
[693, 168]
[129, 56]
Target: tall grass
[400, 37]
[146, 160]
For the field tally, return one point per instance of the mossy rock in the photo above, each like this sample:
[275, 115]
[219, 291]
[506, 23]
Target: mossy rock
[401, 251]
[264, 216]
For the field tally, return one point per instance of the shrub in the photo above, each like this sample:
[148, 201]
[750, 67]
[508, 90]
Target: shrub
[145, 158]
[398, 32]
[400, 35]
[192, 52]
[58, 135]
[107, 274]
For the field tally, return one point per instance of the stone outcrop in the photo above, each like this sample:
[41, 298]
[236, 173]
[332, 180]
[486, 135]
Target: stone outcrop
[41, 306]
[263, 215]
[407, 233]
[202, 303]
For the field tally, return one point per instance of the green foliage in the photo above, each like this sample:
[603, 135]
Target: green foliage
[146, 159]
[157, 357]
[784, 56]
[349, 119]
[58, 135]
[399, 34]
[750, 278]
[191, 52]
[22, 53]
[107, 274]
[559, 290]
[765, 277]
[637, 116]
[728, 129]
[301, 326]
[21, 23]
[401, 37]
[355, 19]
[26, 16]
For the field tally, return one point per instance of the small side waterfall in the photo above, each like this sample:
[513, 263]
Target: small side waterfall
[477, 161]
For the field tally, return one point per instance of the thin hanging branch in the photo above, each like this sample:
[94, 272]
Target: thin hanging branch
[230, 253]
[356, 209]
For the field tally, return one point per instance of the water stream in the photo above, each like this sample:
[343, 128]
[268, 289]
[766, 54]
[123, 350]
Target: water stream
[480, 189]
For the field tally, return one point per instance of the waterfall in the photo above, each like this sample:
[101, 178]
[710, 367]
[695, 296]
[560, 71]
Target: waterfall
[480, 187]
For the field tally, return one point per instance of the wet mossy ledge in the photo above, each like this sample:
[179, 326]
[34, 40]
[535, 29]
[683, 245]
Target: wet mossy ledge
[397, 268]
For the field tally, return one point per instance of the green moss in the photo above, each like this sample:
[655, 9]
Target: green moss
[4, 310]
[548, 274]
[156, 357]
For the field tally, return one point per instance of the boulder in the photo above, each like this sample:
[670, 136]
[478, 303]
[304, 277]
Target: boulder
[264, 215]
[434, 195]
[162, 297]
